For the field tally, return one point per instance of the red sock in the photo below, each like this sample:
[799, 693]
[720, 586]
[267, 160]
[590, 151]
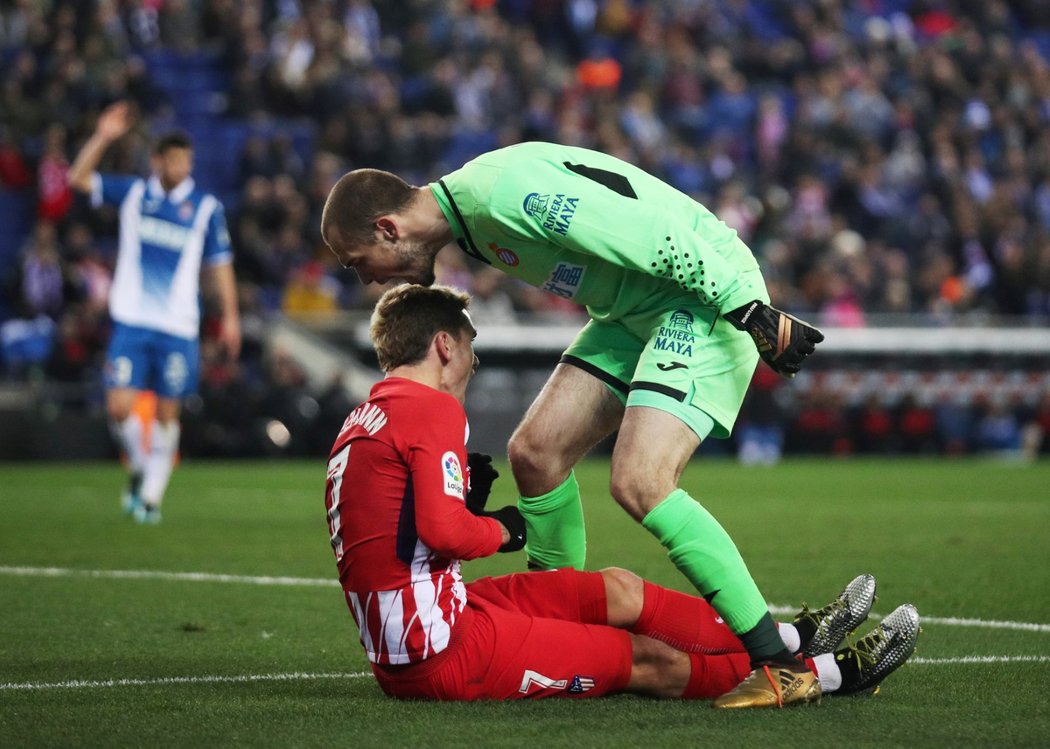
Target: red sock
[714, 675]
[684, 622]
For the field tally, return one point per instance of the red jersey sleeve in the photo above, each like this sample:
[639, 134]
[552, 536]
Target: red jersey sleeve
[437, 462]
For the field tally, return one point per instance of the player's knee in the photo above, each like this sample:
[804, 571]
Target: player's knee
[118, 410]
[657, 669]
[624, 595]
[521, 457]
[532, 458]
[168, 411]
[639, 491]
[629, 492]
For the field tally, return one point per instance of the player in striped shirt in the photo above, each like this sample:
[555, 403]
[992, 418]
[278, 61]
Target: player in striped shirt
[170, 232]
[405, 504]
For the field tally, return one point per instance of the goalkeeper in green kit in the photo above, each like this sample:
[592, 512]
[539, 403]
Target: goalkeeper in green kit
[679, 318]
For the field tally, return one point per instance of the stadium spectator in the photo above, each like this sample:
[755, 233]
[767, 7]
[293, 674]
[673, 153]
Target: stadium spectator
[92, 274]
[917, 425]
[75, 348]
[43, 286]
[171, 232]
[14, 171]
[965, 82]
[760, 428]
[677, 306]
[311, 292]
[861, 99]
[872, 427]
[55, 197]
[997, 429]
[402, 495]
[820, 425]
[954, 419]
[1039, 427]
[491, 300]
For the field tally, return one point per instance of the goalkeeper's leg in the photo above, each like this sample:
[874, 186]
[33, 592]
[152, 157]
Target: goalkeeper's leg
[557, 536]
[651, 452]
[572, 413]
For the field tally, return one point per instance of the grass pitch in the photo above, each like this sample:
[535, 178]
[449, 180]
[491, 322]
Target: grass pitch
[105, 640]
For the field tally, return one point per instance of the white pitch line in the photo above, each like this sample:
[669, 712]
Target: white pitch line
[174, 680]
[967, 659]
[196, 577]
[210, 577]
[29, 686]
[951, 621]
[991, 624]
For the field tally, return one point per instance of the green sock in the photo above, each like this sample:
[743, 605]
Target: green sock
[702, 550]
[554, 527]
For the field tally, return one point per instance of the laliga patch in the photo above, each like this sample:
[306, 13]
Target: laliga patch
[453, 475]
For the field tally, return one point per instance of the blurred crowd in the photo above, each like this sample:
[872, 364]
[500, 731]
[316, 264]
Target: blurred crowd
[894, 411]
[881, 157]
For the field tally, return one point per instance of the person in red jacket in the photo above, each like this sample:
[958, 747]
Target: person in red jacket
[406, 504]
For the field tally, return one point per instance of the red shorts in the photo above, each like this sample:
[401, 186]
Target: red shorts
[503, 649]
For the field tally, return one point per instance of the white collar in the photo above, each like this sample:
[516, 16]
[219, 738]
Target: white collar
[178, 193]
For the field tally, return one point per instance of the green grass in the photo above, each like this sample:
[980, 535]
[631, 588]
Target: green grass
[966, 539]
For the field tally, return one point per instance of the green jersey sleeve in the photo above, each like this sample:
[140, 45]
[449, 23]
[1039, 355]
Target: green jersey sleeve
[596, 229]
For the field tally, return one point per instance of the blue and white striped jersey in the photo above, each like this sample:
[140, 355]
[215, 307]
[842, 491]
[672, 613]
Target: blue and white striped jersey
[165, 238]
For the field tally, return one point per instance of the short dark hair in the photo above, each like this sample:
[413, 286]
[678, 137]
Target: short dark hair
[407, 317]
[173, 139]
[359, 198]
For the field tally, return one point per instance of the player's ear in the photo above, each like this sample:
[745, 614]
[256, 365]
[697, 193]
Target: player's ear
[444, 344]
[387, 228]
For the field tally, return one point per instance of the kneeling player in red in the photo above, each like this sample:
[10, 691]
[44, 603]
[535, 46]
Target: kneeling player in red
[403, 512]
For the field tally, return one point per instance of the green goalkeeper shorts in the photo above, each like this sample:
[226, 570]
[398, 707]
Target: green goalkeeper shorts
[683, 359]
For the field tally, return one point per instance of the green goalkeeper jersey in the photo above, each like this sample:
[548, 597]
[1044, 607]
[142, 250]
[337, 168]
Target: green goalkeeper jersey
[592, 228]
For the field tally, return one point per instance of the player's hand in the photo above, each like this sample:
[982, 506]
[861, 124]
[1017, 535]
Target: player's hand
[783, 341]
[114, 121]
[481, 477]
[230, 338]
[510, 518]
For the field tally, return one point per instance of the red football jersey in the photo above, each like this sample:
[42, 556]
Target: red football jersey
[397, 480]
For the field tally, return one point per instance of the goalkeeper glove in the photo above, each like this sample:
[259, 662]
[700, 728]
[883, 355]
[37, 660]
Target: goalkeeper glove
[782, 340]
[482, 475]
